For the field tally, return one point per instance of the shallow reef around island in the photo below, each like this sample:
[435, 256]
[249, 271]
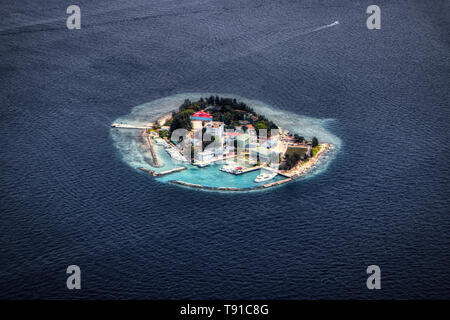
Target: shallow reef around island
[134, 151]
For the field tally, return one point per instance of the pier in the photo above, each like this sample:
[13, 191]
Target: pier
[130, 126]
[171, 171]
[157, 174]
[152, 150]
[248, 170]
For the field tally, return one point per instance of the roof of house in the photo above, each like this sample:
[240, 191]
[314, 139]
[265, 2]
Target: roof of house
[233, 133]
[202, 115]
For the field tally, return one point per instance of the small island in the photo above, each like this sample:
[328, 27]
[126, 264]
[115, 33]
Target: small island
[227, 136]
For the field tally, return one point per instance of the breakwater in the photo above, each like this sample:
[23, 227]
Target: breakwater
[152, 150]
[259, 187]
[157, 174]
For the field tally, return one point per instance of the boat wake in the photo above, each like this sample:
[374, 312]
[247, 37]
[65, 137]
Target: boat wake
[325, 26]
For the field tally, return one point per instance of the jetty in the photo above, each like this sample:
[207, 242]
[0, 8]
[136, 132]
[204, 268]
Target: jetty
[171, 171]
[152, 150]
[162, 173]
[248, 170]
[130, 126]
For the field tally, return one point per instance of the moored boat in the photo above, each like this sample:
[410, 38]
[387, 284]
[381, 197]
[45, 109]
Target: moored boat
[266, 175]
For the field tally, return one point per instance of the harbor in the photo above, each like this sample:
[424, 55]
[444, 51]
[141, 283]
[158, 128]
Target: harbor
[228, 175]
[240, 158]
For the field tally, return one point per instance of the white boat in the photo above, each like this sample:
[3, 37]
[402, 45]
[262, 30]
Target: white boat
[202, 164]
[237, 170]
[227, 168]
[266, 175]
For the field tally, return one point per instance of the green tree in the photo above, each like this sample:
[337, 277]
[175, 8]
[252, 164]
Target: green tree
[182, 120]
[298, 138]
[164, 133]
[227, 118]
[156, 126]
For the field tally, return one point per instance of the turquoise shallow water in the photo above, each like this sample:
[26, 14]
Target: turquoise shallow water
[211, 176]
[165, 161]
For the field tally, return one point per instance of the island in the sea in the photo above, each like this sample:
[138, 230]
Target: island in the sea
[227, 136]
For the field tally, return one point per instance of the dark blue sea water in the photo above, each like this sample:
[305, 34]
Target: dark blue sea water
[67, 197]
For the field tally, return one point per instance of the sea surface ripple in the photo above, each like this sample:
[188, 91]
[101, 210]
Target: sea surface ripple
[67, 197]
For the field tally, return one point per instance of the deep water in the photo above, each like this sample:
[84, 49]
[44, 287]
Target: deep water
[68, 197]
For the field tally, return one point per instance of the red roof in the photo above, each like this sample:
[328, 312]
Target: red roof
[233, 133]
[202, 114]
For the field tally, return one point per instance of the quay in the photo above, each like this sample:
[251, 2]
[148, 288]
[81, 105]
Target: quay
[248, 170]
[206, 163]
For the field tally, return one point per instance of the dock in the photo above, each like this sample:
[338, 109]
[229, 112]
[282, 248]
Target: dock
[247, 170]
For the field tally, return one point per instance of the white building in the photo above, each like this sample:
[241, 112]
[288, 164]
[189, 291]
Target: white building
[200, 117]
[204, 156]
[216, 129]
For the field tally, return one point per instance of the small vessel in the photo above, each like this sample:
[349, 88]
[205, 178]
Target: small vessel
[227, 168]
[237, 170]
[203, 164]
[266, 175]
[336, 22]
